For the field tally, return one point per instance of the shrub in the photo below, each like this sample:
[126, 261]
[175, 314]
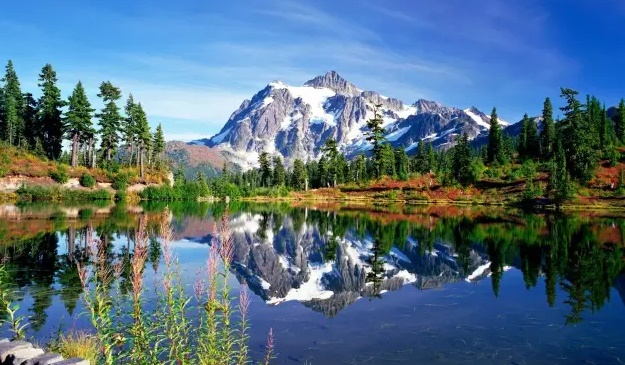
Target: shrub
[121, 181]
[57, 194]
[87, 181]
[60, 175]
[76, 344]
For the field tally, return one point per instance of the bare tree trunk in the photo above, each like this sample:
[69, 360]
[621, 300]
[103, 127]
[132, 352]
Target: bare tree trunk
[141, 162]
[92, 157]
[75, 150]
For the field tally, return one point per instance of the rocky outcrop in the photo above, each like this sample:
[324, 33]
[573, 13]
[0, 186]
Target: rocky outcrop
[24, 353]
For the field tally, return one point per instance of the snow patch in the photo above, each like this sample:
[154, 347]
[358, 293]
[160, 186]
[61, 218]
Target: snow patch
[394, 136]
[315, 97]
[478, 272]
[477, 119]
[311, 289]
[220, 137]
[407, 276]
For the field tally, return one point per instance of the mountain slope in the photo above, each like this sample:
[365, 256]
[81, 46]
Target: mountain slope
[193, 159]
[295, 121]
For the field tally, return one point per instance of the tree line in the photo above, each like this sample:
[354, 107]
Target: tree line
[41, 125]
[569, 149]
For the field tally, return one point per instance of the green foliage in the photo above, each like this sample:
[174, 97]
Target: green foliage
[578, 141]
[265, 169]
[121, 181]
[50, 114]
[529, 143]
[619, 122]
[612, 155]
[548, 133]
[495, 140]
[78, 120]
[11, 123]
[375, 135]
[109, 119]
[158, 144]
[61, 174]
[461, 161]
[87, 181]
[32, 193]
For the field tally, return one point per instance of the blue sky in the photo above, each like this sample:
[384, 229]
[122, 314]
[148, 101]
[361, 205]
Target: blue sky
[191, 63]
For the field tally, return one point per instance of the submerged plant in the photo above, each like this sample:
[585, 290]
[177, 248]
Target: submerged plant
[208, 326]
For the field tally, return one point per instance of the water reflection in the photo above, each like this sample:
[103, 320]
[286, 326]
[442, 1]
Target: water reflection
[328, 259]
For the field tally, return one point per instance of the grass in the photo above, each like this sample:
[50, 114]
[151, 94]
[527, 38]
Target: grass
[77, 344]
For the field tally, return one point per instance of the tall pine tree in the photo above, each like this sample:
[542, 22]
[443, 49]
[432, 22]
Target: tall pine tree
[495, 139]
[11, 107]
[50, 113]
[299, 177]
[577, 139]
[158, 144]
[143, 138]
[78, 119]
[265, 169]
[461, 160]
[110, 119]
[548, 133]
[129, 128]
[32, 128]
[619, 122]
[375, 135]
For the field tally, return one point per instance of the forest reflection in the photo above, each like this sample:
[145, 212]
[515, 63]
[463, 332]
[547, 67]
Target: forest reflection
[278, 247]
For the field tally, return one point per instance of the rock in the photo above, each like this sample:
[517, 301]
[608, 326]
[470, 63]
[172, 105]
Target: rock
[9, 348]
[23, 355]
[73, 361]
[45, 359]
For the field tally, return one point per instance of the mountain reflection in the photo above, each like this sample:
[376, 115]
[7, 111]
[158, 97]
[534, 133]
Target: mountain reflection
[328, 259]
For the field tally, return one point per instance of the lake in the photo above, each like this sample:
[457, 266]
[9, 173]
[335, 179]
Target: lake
[363, 285]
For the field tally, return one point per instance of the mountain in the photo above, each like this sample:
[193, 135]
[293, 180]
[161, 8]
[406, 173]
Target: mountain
[282, 260]
[295, 121]
[193, 159]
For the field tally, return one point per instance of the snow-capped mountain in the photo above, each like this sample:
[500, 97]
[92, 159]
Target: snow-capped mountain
[295, 121]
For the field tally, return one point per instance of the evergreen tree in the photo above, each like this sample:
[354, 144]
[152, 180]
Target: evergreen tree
[522, 142]
[299, 177]
[529, 144]
[32, 129]
[110, 118]
[143, 137]
[495, 139]
[619, 122]
[50, 114]
[421, 159]
[387, 160]
[11, 106]
[78, 119]
[158, 144]
[548, 133]
[401, 164]
[559, 181]
[577, 138]
[431, 166]
[607, 136]
[129, 127]
[279, 174]
[265, 169]
[461, 160]
[375, 135]
[331, 152]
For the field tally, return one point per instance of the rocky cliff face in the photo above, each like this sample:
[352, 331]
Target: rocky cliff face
[295, 121]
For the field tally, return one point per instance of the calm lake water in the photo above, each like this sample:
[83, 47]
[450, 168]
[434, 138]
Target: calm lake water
[345, 285]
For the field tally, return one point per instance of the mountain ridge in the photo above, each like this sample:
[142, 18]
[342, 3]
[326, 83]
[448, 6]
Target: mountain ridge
[295, 121]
